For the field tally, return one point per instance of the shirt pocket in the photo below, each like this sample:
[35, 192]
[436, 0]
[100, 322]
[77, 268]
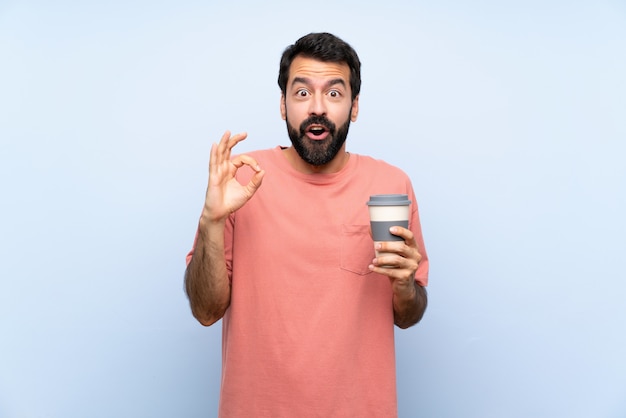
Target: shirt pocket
[357, 248]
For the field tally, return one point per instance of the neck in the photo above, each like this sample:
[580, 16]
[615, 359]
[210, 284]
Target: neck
[335, 165]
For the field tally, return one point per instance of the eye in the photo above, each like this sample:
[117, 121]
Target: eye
[302, 93]
[334, 93]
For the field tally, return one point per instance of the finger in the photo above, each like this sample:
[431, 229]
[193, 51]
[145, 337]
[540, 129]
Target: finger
[228, 142]
[212, 156]
[399, 254]
[255, 182]
[405, 233]
[244, 159]
[407, 249]
[389, 269]
[222, 146]
[401, 232]
[217, 153]
[257, 178]
[235, 139]
[394, 266]
[222, 150]
[410, 249]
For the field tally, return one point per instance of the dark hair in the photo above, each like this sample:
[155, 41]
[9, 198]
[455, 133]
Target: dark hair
[324, 47]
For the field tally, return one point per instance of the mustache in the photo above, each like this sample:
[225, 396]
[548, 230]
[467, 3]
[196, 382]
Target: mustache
[317, 120]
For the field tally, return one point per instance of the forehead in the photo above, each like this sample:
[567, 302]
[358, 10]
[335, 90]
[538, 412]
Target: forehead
[310, 68]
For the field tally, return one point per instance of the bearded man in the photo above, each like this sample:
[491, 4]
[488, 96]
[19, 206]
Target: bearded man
[283, 254]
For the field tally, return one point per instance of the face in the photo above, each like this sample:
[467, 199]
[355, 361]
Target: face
[318, 108]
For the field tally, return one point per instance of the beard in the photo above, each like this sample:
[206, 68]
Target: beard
[318, 152]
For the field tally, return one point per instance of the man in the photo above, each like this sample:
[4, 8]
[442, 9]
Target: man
[283, 254]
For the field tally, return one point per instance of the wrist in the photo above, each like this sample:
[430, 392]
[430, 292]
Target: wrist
[406, 291]
[209, 220]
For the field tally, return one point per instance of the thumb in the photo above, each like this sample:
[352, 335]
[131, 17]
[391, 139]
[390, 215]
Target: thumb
[255, 182]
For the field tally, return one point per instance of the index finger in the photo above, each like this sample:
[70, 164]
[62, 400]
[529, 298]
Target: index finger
[405, 233]
[242, 159]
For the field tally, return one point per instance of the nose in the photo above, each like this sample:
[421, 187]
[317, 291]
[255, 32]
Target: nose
[317, 106]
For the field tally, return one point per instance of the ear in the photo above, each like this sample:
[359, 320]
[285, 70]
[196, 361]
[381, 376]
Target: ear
[283, 108]
[354, 112]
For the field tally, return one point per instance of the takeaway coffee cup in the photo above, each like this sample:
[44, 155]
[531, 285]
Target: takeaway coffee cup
[387, 210]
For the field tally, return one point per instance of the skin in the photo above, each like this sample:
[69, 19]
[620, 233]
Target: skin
[206, 277]
[318, 88]
[314, 88]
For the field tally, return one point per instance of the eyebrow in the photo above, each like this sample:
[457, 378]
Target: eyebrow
[329, 83]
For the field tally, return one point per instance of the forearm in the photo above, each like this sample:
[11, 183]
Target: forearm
[409, 306]
[206, 278]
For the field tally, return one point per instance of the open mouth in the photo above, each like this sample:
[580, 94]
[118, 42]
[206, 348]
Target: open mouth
[317, 132]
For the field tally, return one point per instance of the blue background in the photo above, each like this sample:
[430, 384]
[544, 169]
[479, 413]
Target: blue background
[509, 117]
